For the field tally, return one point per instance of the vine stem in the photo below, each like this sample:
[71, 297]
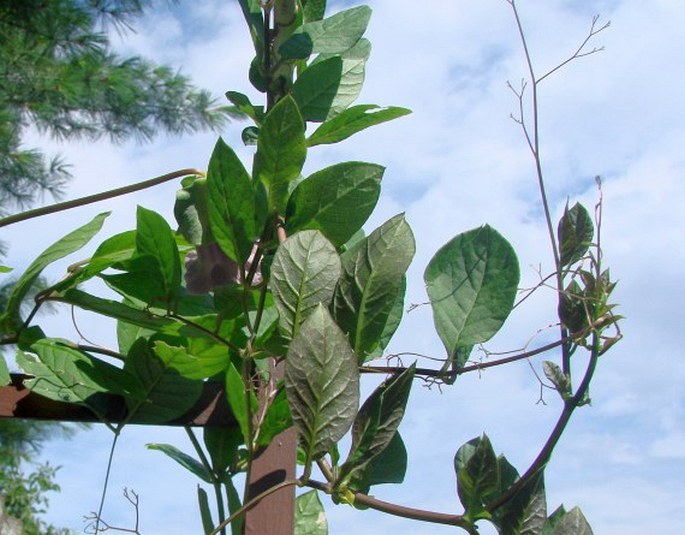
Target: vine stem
[97, 197]
[572, 402]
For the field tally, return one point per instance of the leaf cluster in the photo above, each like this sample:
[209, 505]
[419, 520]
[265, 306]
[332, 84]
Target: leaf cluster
[271, 285]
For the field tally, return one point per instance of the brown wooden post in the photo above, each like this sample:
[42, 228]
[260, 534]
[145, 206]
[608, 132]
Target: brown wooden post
[275, 514]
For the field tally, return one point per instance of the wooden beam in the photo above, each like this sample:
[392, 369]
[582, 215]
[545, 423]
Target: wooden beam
[17, 401]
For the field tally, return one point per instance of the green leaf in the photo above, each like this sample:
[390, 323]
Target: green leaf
[186, 461]
[575, 233]
[5, 377]
[168, 394]
[573, 523]
[327, 87]
[235, 394]
[333, 35]
[304, 273]
[477, 472]
[353, 120]
[181, 360]
[336, 200]
[231, 203]
[190, 210]
[65, 374]
[310, 518]
[5, 269]
[277, 420]
[242, 102]
[252, 11]
[205, 512]
[10, 320]
[113, 309]
[154, 239]
[372, 277]
[378, 419]
[322, 383]
[471, 283]
[222, 445]
[314, 9]
[560, 381]
[281, 151]
[526, 512]
[390, 465]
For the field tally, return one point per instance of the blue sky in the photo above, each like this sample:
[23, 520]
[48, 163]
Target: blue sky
[457, 162]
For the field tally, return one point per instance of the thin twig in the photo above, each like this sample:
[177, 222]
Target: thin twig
[97, 197]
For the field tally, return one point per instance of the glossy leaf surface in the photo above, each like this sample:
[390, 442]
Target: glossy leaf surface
[332, 35]
[471, 283]
[575, 233]
[372, 277]
[231, 203]
[322, 383]
[353, 120]
[304, 273]
[281, 151]
[336, 200]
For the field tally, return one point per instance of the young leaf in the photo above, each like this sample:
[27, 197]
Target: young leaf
[155, 239]
[575, 233]
[557, 377]
[231, 203]
[573, 523]
[281, 151]
[336, 200]
[304, 273]
[310, 518]
[477, 472]
[168, 394]
[377, 421]
[333, 35]
[5, 269]
[373, 273]
[327, 87]
[242, 102]
[10, 320]
[186, 461]
[322, 383]
[353, 120]
[471, 283]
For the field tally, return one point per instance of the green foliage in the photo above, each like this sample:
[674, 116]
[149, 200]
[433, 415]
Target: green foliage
[372, 277]
[309, 515]
[271, 287]
[61, 76]
[472, 282]
[322, 382]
